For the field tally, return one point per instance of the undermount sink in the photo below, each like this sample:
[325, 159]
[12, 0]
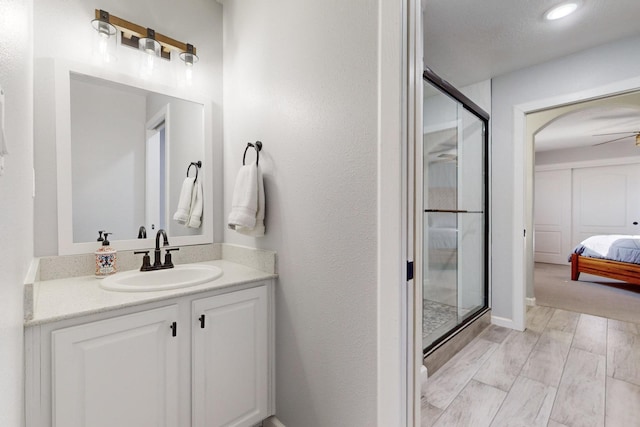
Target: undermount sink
[180, 276]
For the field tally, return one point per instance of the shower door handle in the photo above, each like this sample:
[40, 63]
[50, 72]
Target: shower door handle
[451, 211]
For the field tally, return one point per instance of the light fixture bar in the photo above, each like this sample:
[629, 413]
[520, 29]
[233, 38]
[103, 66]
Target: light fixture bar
[123, 24]
[132, 33]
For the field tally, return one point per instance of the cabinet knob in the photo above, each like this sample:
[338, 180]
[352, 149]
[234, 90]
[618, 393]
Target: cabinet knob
[201, 319]
[174, 329]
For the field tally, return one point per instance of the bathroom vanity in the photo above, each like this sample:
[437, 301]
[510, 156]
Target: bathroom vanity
[196, 356]
[105, 356]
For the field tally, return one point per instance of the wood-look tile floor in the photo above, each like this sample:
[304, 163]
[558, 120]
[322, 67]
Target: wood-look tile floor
[567, 369]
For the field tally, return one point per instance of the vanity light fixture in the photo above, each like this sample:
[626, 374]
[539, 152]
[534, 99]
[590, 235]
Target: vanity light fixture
[560, 11]
[142, 38]
[189, 56]
[102, 25]
[149, 43]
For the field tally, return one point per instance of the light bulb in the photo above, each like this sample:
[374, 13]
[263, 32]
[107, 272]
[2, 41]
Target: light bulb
[561, 11]
[103, 45]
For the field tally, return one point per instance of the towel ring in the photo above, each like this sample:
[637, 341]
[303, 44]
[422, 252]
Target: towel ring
[198, 165]
[257, 146]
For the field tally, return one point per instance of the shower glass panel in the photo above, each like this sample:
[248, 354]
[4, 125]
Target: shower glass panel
[455, 222]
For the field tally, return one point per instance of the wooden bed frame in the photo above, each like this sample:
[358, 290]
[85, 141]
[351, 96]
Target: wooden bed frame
[624, 271]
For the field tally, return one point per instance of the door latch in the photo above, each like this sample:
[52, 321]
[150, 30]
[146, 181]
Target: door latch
[409, 270]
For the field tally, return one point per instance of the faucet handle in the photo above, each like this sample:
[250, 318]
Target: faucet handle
[167, 257]
[146, 261]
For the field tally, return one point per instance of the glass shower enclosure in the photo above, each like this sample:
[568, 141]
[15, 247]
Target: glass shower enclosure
[455, 201]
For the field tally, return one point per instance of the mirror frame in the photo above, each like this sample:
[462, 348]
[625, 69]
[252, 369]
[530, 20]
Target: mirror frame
[66, 245]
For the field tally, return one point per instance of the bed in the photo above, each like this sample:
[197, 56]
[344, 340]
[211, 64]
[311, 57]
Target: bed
[612, 256]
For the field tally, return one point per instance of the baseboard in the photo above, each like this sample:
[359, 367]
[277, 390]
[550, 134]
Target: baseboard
[531, 302]
[424, 379]
[272, 422]
[502, 321]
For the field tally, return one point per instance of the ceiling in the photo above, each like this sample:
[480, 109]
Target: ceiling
[589, 127]
[468, 41]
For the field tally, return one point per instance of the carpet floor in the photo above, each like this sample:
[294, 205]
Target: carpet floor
[594, 295]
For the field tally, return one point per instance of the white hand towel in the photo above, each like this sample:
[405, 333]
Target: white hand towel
[184, 202]
[244, 203]
[258, 229]
[195, 216]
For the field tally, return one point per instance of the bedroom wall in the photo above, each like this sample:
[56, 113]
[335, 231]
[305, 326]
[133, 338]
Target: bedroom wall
[615, 150]
[591, 68]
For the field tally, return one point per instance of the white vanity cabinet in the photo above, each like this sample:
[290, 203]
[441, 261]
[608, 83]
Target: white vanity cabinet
[230, 359]
[117, 372]
[126, 368]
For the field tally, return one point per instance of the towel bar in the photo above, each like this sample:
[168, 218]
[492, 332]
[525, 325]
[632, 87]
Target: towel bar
[257, 146]
[198, 165]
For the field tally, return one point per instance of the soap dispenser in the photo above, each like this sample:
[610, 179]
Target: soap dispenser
[105, 257]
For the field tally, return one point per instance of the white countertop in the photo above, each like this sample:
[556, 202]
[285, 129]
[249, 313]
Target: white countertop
[60, 299]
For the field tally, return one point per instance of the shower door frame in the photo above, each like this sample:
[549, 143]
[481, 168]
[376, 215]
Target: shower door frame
[467, 104]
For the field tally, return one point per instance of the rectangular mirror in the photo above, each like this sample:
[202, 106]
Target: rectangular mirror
[124, 148]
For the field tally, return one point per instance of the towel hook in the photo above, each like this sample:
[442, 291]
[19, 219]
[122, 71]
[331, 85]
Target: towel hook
[257, 146]
[198, 165]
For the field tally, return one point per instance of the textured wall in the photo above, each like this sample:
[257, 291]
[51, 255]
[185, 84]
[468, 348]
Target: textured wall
[16, 212]
[302, 77]
[582, 71]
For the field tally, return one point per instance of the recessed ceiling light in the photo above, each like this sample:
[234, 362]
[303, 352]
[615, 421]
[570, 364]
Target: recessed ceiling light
[561, 10]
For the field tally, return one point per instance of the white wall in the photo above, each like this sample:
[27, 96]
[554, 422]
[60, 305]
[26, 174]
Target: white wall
[437, 110]
[195, 21]
[16, 213]
[615, 150]
[107, 161]
[184, 149]
[185, 131]
[302, 78]
[480, 93]
[584, 70]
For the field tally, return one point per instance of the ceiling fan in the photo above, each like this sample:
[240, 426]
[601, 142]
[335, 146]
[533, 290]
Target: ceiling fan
[633, 134]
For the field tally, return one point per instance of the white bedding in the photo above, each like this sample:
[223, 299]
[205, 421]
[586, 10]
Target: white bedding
[615, 247]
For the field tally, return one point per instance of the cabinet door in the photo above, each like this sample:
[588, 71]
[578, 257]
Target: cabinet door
[230, 359]
[117, 372]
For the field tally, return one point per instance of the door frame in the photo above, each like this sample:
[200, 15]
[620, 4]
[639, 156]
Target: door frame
[161, 119]
[523, 179]
[400, 55]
